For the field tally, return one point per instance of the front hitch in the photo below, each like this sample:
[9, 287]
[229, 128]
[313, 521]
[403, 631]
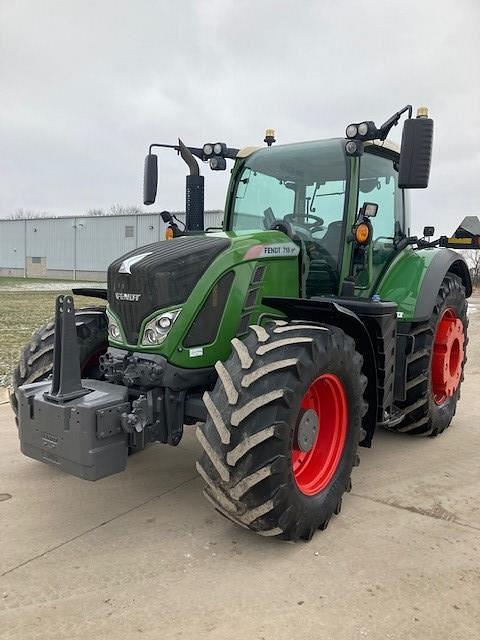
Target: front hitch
[67, 381]
[68, 422]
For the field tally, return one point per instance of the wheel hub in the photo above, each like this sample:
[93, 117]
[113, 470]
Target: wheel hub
[307, 430]
[448, 355]
[320, 435]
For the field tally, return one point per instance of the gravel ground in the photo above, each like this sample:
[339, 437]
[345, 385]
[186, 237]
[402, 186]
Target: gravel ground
[142, 555]
[17, 285]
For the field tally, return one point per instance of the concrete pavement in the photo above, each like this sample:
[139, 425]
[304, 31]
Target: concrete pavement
[142, 555]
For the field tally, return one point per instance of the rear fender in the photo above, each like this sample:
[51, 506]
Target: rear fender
[414, 278]
[445, 261]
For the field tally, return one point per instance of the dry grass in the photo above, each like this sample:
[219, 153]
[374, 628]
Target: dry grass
[23, 311]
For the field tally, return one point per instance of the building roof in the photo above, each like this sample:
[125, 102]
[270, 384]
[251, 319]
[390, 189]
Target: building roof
[106, 215]
[469, 226]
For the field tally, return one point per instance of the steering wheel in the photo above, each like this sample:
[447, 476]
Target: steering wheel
[311, 227]
[318, 221]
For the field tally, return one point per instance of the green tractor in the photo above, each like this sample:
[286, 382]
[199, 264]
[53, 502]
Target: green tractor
[310, 319]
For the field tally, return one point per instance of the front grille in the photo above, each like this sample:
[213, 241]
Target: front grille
[164, 278]
[258, 274]
[243, 325]
[250, 300]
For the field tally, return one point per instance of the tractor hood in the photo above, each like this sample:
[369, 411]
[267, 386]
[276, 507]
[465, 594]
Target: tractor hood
[157, 276]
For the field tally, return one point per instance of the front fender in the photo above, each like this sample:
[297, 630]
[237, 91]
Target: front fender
[333, 312]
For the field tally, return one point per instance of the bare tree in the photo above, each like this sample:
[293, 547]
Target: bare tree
[27, 214]
[121, 210]
[472, 256]
[115, 210]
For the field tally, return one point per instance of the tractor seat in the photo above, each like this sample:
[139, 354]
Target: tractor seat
[323, 276]
[332, 239]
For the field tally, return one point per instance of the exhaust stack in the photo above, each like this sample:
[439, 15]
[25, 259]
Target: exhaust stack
[194, 192]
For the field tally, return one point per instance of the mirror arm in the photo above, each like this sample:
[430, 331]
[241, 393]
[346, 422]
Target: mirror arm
[178, 220]
[393, 121]
[163, 146]
[230, 152]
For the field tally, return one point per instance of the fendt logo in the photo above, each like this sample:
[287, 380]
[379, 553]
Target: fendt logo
[128, 263]
[131, 297]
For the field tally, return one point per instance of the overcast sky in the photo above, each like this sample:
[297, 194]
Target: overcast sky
[86, 86]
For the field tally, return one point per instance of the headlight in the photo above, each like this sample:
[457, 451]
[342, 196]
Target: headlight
[217, 163]
[218, 148]
[114, 330]
[363, 128]
[164, 322]
[351, 147]
[207, 149]
[156, 330]
[351, 131]
[150, 336]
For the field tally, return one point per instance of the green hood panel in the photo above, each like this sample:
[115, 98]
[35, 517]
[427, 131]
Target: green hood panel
[271, 249]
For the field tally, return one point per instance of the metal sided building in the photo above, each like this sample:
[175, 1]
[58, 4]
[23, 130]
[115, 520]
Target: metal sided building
[78, 248]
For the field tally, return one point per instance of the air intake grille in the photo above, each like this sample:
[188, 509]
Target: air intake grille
[205, 326]
[258, 274]
[250, 300]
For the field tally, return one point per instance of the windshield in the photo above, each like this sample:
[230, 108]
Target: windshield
[303, 187]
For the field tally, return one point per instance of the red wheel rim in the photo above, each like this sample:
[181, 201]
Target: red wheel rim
[314, 469]
[448, 355]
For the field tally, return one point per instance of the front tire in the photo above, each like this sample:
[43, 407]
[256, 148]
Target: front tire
[283, 428]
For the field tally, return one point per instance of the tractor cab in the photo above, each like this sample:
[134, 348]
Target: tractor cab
[312, 192]
[341, 200]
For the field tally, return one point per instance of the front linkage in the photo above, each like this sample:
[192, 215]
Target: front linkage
[161, 395]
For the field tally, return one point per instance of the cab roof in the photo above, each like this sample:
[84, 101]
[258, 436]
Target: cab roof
[386, 144]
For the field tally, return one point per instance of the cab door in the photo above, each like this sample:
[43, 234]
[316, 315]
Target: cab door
[379, 183]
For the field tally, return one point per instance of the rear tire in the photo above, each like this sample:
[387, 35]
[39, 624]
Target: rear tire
[251, 441]
[36, 358]
[429, 411]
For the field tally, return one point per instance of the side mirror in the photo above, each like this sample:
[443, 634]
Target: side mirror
[428, 232]
[416, 152]
[150, 179]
